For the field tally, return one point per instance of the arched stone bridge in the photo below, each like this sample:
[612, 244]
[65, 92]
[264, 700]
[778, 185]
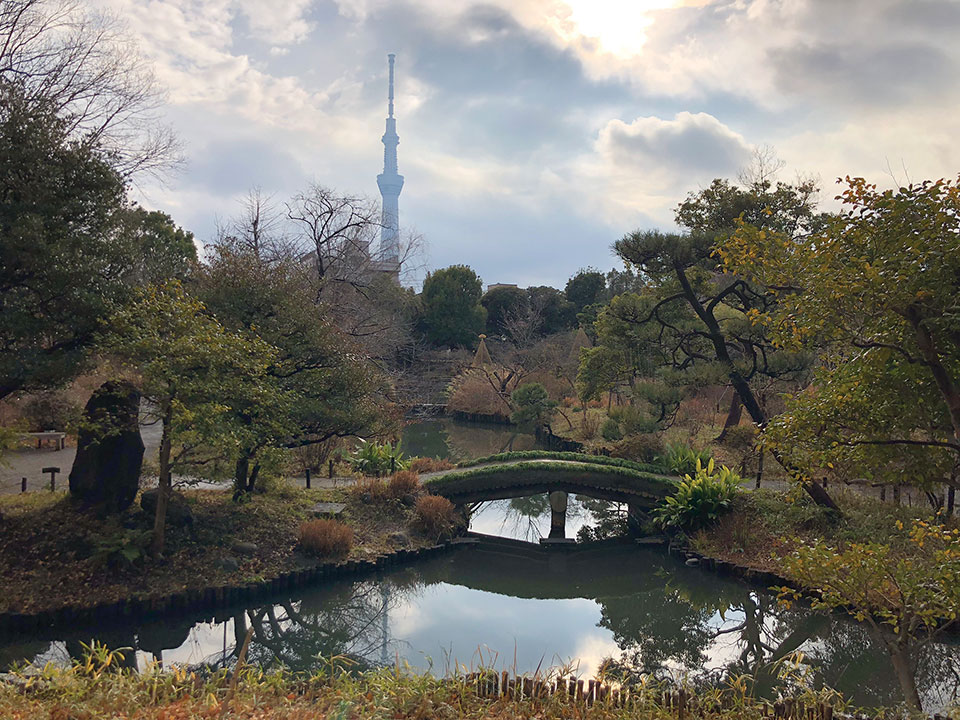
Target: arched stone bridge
[556, 474]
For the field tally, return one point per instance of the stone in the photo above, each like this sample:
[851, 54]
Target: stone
[179, 513]
[398, 538]
[106, 469]
[229, 563]
[245, 548]
[327, 509]
[692, 562]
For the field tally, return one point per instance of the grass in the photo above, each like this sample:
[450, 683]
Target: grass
[49, 545]
[766, 525]
[565, 456]
[98, 688]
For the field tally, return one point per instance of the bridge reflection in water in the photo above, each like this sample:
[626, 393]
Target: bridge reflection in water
[634, 609]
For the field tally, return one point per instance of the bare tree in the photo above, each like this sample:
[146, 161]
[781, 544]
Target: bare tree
[261, 229]
[93, 76]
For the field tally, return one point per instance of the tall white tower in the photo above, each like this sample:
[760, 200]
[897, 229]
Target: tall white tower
[390, 184]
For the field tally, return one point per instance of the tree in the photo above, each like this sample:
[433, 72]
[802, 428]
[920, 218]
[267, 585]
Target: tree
[337, 233]
[85, 70]
[158, 250]
[194, 373]
[533, 404]
[641, 359]
[906, 600]
[64, 255]
[877, 293]
[685, 278]
[451, 313]
[331, 389]
[554, 311]
[587, 287]
[504, 306]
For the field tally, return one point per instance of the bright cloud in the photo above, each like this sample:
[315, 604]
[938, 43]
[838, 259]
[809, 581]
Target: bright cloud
[534, 124]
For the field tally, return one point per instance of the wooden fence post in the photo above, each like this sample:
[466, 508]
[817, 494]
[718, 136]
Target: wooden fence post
[308, 478]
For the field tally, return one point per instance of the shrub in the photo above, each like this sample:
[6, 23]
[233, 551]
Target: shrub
[682, 459]
[377, 459]
[428, 465]
[633, 420]
[124, 548]
[533, 404]
[645, 448]
[699, 499]
[610, 430]
[50, 410]
[434, 516]
[403, 483]
[471, 392]
[326, 538]
[372, 490]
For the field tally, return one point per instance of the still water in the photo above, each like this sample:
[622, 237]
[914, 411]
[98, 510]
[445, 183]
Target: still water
[449, 439]
[516, 605]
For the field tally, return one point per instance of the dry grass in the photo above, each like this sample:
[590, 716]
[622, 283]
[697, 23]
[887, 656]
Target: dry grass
[325, 538]
[373, 490]
[434, 516]
[405, 482]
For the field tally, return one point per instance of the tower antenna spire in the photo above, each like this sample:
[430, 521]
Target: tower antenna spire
[390, 183]
[391, 57]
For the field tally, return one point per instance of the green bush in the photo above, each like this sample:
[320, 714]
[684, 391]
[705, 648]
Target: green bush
[123, 548]
[644, 448]
[610, 430]
[377, 459]
[700, 498]
[633, 420]
[681, 459]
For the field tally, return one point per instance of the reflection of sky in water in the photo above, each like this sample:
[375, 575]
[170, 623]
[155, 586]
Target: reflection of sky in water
[515, 518]
[471, 608]
[455, 626]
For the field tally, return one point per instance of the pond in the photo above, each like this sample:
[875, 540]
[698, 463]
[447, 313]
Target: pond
[449, 439]
[520, 606]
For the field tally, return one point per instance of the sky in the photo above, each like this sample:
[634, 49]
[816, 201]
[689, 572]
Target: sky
[535, 133]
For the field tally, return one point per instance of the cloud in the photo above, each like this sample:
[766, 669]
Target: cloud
[688, 144]
[527, 144]
[232, 166]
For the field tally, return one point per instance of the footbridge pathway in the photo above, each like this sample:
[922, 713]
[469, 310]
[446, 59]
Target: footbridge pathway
[510, 475]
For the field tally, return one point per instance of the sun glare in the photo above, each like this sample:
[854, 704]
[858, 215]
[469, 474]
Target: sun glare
[618, 25]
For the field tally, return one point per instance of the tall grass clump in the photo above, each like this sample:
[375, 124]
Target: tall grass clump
[434, 516]
[326, 538]
[402, 484]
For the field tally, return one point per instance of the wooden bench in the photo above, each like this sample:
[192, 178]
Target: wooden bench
[59, 438]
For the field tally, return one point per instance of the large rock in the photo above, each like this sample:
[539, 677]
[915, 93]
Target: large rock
[179, 513]
[106, 470]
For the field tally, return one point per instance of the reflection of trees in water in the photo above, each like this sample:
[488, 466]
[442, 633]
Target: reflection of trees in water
[687, 627]
[349, 621]
[528, 518]
[466, 441]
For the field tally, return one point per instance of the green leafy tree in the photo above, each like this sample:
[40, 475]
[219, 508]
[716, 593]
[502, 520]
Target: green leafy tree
[877, 293]
[553, 311]
[332, 390]
[159, 250]
[64, 255]
[587, 287]
[194, 373]
[504, 305]
[451, 313]
[717, 336]
[906, 598]
[533, 404]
